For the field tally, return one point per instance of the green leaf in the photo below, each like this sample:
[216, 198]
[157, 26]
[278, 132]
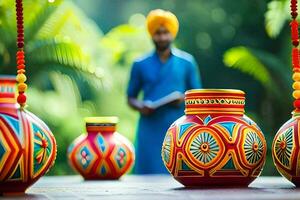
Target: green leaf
[241, 58]
[39, 18]
[263, 67]
[43, 53]
[276, 16]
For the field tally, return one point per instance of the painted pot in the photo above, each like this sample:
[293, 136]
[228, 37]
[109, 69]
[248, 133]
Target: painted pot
[102, 153]
[214, 144]
[286, 150]
[27, 146]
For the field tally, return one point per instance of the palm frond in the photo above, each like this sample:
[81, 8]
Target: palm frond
[274, 65]
[88, 84]
[243, 59]
[42, 53]
[276, 16]
[38, 19]
[7, 28]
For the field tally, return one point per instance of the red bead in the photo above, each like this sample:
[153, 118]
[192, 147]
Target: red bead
[295, 57]
[296, 69]
[295, 43]
[21, 62]
[19, 57]
[294, 30]
[20, 53]
[294, 9]
[20, 45]
[294, 14]
[19, 11]
[22, 66]
[21, 98]
[297, 103]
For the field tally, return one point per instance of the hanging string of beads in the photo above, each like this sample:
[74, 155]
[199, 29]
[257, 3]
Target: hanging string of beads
[295, 55]
[20, 56]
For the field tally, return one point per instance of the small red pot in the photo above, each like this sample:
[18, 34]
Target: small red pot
[102, 153]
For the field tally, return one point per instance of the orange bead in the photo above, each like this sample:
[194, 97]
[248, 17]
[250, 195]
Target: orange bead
[296, 76]
[296, 85]
[22, 87]
[296, 94]
[21, 71]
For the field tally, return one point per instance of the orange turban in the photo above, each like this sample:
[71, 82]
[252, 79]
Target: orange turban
[158, 17]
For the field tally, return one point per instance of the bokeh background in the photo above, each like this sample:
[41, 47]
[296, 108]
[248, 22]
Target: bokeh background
[79, 55]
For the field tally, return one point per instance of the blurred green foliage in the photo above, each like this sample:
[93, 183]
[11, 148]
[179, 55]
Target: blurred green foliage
[79, 55]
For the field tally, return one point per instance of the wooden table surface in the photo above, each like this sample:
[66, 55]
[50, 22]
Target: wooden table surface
[159, 187]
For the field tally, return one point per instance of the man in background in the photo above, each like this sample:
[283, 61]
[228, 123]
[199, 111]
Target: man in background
[162, 72]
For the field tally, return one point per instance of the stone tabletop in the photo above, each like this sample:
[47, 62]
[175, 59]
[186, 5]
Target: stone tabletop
[156, 187]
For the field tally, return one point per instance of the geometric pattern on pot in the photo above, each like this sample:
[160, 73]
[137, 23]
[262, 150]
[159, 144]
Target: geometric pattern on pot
[119, 157]
[167, 148]
[204, 148]
[86, 156]
[253, 147]
[284, 147]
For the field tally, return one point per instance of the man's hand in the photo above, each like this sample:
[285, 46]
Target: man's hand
[146, 110]
[178, 101]
[143, 107]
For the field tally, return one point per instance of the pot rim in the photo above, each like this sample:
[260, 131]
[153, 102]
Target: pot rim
[8, 77]
[214, 90]
[102, 120]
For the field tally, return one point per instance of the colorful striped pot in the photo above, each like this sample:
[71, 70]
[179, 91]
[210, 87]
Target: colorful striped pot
[27, 146]
[286, 150]
[102, 153]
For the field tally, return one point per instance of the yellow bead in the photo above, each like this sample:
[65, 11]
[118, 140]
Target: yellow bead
[296, 85]
[296, 94]
[21, 78]
[296, 76]
[22, 87]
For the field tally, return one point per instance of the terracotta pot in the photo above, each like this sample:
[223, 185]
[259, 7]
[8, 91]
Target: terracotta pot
[286, 150]
[102, 153]
[27, 146]
[214, 144]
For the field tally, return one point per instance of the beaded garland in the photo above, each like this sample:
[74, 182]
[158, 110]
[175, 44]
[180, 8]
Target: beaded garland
[295, 55]
[20, 56]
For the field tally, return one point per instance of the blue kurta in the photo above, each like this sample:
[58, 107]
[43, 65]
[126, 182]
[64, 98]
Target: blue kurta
[156, 80]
